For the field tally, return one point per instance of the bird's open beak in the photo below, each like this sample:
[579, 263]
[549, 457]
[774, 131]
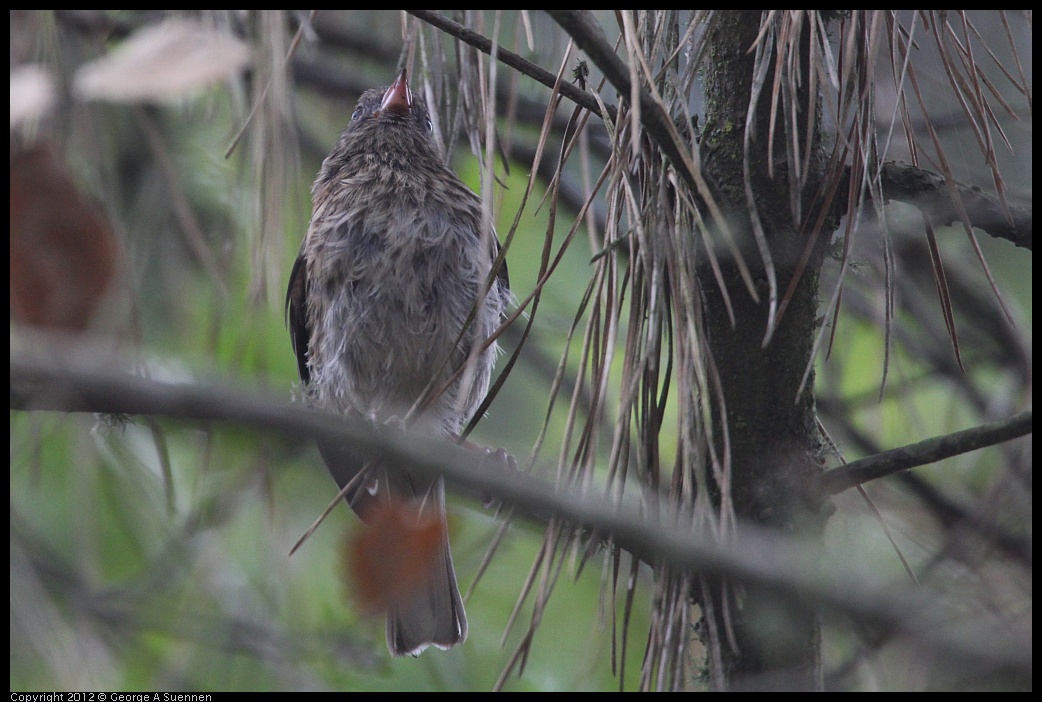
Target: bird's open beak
[398, 98]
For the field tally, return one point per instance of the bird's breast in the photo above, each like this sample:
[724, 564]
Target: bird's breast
[392, 283]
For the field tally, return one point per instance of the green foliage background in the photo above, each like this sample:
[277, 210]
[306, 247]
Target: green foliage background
[153, 554]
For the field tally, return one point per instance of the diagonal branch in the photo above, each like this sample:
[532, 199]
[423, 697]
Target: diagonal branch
[589, 37]
[537, 73]
[928, 451]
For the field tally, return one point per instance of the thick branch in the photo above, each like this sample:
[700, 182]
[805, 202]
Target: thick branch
[67, 383]
[49, 381]
[929, 451]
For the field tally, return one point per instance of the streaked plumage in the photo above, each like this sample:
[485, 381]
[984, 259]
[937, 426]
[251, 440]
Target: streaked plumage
[393, 264]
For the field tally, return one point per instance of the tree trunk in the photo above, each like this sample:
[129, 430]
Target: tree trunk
[773, 435]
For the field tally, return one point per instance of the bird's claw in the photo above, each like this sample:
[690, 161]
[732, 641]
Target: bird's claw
[501, 460]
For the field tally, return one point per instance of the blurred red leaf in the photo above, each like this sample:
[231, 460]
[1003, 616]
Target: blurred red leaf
[63, 254]
[394, 555]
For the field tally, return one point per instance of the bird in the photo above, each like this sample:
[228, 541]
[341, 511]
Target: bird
[394, 296]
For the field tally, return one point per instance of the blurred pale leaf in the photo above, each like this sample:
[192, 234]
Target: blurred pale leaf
[32, 93]
[162, 63]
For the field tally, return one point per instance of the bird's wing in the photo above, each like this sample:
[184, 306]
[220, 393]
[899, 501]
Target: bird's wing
[297, 315]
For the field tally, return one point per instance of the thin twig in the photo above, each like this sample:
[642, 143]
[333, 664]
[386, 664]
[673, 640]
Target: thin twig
[928, 451]
[589, 37]
[537, 73]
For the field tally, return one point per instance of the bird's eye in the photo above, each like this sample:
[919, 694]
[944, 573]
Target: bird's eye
[356, 114]
[430, 125]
